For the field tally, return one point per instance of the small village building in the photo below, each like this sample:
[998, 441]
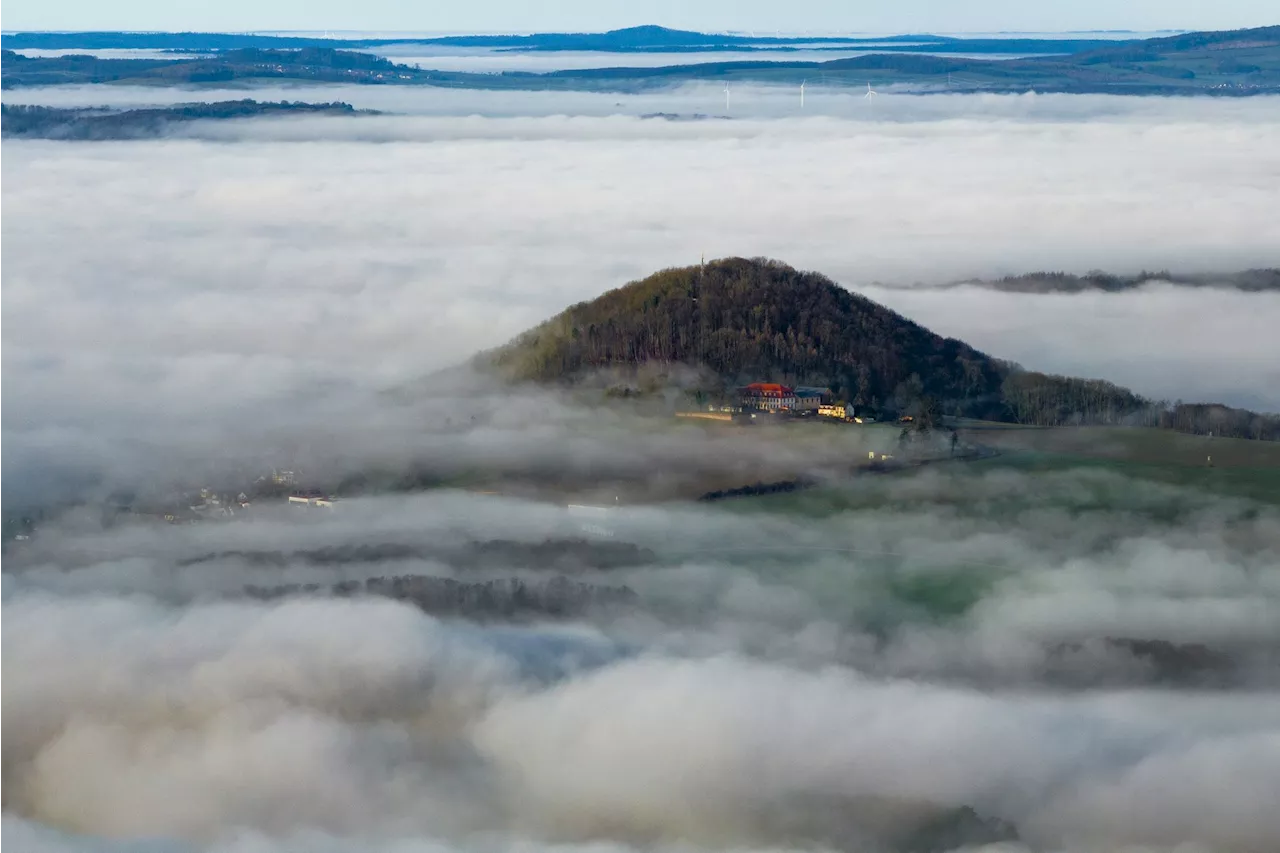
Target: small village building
[311, 499]
[809, 399]
[768, 396]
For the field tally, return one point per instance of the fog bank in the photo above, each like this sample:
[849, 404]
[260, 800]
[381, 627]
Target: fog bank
[961, 657]
[161, 282]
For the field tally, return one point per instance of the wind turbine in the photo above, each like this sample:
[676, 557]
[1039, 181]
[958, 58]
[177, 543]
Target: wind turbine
[802, 82]
[726, 97]
[871, 93]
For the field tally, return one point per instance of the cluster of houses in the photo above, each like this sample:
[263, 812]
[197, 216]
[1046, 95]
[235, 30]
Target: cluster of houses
[776, 399]
[798, 400]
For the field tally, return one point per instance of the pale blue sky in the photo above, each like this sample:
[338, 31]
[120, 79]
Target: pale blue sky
[595, 15]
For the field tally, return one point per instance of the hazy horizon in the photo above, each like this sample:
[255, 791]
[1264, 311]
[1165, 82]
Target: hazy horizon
[583, 16]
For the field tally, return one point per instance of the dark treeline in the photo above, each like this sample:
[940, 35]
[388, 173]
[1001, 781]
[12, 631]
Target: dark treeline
[564, 555]
[760, 320]
[1046, 400]
[758, 489]
[315, 64]
[1159, 662]
[19, 70]
[37, 122]
[505, 598]
[1215, 419]
[1060, 282]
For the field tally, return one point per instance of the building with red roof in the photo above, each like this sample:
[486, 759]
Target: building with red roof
[769, 396]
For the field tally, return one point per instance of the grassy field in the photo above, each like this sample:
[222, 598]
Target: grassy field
[1228, 466]
[690, 458]
[1129, 444]
[1240, 468]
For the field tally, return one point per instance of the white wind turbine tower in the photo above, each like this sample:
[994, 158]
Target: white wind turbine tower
[726, 97]
[871, 93]
[802, 82]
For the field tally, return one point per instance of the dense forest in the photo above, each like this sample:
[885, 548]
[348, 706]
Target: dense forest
[1045, 400]
[749, 320]
[35, 122]
[759, 320]
[563, 555]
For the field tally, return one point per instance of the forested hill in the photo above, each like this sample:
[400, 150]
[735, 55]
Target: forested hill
[35, 122]
[757, 320]
[628, 39]
[1239, 62]
[751, 320]
[1254, 280]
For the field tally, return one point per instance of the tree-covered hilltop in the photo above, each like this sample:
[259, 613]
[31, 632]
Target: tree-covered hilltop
[749, 320]
[739, 321]
[36, 122]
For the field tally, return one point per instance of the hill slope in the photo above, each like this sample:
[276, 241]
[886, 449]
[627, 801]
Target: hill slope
[757, 320]
[750, 320]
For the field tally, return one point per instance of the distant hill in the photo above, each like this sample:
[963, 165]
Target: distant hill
[33, 122]
[627, 39]
[1255, 280]
[739, 321]
[1238, 62]
[317, 65]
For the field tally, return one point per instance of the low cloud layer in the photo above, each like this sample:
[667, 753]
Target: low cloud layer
[1169, 342]
[189, 286]
[1079, 659]
[809, 695]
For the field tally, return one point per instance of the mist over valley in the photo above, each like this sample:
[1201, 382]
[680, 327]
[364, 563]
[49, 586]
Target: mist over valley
[679, 470]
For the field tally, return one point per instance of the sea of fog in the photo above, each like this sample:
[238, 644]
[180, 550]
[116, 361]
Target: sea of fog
[811, 673]
[373, 250]
[854, 664]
